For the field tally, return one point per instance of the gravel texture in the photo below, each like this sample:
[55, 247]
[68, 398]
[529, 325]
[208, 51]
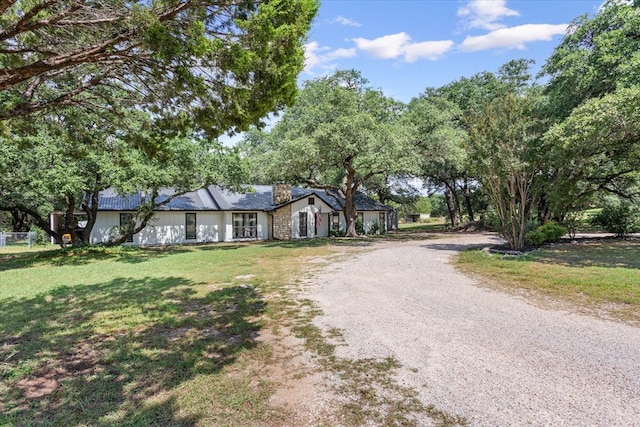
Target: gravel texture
[490, 357]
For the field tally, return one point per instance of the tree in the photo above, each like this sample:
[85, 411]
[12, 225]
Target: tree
[437, 137]
[597, 56]
[221, 65]
[593, 91]
[338, 136]
[62, 161]
[599, 148]
[503, 150]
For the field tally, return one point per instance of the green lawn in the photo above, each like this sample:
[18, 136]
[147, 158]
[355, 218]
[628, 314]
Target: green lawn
[142, 336]
[600, 276]
[431, 225]
[171, 336]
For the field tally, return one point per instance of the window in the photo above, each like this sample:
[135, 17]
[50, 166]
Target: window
[312, 200]
[125, 220]
[302, 224]
[190, 226]
[335, 221]
[382, 221]
[245, 225]
[361, 217]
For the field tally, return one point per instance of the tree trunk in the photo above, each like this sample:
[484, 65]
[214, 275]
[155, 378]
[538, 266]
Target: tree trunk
[350, 215]
[92, 214]
[467, 198]
[40, 222]
[451, 205]
[19, 221]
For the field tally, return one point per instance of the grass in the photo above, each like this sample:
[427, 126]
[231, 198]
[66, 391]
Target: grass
[432, 225]
[136, 337]
[171, 336]
[600, 276]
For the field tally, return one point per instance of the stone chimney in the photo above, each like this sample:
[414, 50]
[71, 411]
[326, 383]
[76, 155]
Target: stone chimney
[281, 193]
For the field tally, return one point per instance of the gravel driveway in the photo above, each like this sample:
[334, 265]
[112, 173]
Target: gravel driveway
[491, 357]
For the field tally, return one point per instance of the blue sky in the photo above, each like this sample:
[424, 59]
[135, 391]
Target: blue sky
[405, 46]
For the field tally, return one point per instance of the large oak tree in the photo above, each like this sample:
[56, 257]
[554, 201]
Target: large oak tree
[339, 135]
[222, 64]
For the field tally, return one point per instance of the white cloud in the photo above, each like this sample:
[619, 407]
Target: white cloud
[396, 45]
[485, 14]
[317, 57]
[427, 50]
[514, 37]
[342, 20]
[385, 47]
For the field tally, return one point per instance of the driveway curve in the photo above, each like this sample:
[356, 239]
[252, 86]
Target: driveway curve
[491, 357]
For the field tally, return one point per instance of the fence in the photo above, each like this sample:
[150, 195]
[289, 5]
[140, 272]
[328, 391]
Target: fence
[16, 239]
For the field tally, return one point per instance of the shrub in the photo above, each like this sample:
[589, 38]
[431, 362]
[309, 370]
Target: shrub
[41, 238]
[375, 228]
[336, 233]
[359, 226]
[550, 232]
[620, 219]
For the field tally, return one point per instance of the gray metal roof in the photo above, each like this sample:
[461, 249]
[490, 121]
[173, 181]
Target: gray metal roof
[200, 200]
[214, 198]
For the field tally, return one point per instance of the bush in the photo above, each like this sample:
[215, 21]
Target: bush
[359, 226]
[375, 228]
[41, 237]
[620, 219]
[336, 233]
[550, 232]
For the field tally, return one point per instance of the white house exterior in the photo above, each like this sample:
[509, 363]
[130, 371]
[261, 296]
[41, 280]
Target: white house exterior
[212, 214]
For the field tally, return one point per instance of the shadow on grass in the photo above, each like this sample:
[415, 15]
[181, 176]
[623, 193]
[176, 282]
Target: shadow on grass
[319, 242]
[85, 255]
[110, 354]
[606, 252]
[460, 247]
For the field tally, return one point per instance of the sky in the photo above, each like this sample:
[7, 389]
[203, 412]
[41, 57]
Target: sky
[405, 46]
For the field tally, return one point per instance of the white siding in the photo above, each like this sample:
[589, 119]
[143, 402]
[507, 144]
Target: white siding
[302, 205]
[369, 218]
[262, 226]
[165, 228]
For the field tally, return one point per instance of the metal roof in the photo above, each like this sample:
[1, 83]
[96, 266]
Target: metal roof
[214, 198]
[200, 200]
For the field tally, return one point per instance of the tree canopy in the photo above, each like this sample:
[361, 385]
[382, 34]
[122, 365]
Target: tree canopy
[340, 134]
[221, 65]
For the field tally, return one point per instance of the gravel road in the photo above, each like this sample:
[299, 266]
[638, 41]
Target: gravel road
[490, 357]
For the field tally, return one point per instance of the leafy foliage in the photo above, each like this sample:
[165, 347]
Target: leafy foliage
[503, 153]
[620, 218]
[339, 135]
[550, 232]
[218, 65]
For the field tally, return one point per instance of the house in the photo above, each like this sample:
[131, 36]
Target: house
[213, 214]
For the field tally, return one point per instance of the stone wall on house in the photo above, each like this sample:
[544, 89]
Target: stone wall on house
[281, 193]
[282, 223]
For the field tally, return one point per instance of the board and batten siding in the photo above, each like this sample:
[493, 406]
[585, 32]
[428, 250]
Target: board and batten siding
[165, 228]
[303, 205]
[262, 226]
[369, 218]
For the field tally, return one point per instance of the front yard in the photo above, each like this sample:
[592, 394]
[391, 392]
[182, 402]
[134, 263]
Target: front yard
[143, 336]
[177, 336]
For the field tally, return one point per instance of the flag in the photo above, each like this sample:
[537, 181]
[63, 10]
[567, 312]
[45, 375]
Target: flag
[319, 217]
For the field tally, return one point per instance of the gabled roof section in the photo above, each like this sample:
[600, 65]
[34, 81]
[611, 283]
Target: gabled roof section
[257, 198]
[215, 198]
[362, 201]
[200, 200]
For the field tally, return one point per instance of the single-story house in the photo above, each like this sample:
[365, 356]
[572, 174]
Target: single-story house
[213, 214]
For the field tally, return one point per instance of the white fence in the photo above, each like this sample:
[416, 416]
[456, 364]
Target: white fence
[17, 239]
